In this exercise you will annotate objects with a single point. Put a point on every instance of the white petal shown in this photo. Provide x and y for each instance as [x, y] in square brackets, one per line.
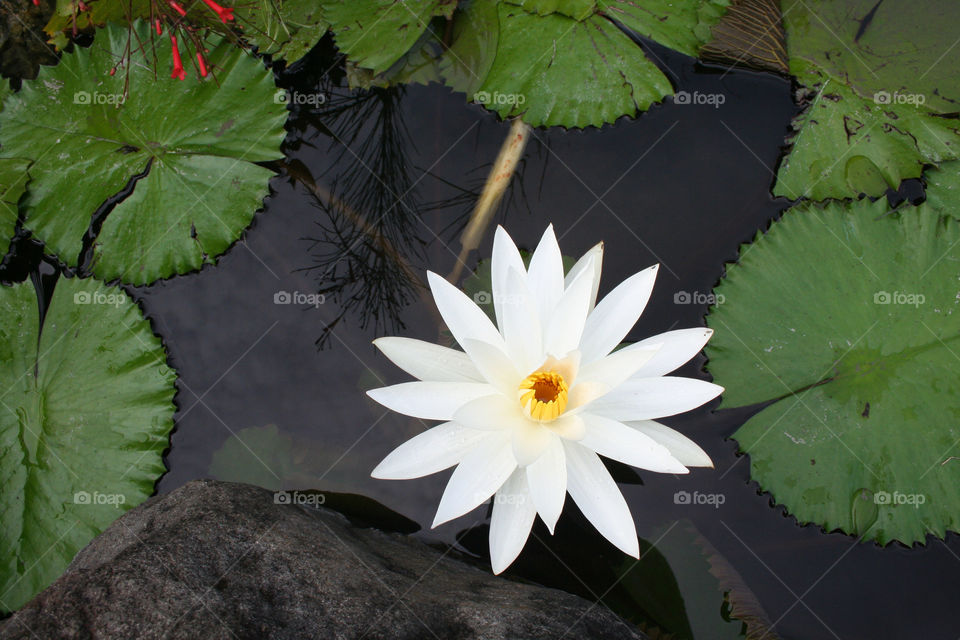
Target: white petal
[433, 450]
[616, 314]
[595, 254]
[568, 367]
[565, 324]
[429, 400]
[530, 440]
[464, 319]
[547, 478]
[681, 447]
[676, 348]
[512, 519]
[505, 256]
[599, 498]
[616, 440]
[545, 275]
[568, 426]
[613, 370]
[491, 413]
[648, 398]
[584, 393]
[480, 473]
[427, 361]
[494, 365]
[521, 324]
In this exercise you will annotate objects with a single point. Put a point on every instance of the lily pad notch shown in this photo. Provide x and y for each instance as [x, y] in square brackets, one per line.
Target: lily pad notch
[169, 168]
[83, 424]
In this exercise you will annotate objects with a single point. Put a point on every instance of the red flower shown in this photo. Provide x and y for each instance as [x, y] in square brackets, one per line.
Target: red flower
[177, 8]
[202, 63]
[225, 13]
[178, 71]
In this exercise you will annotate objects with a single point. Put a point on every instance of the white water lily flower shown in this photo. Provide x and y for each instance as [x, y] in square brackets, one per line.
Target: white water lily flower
[530, 402]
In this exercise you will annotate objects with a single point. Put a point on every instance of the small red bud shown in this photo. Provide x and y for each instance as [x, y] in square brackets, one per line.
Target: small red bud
[225, 13]
[178, 71]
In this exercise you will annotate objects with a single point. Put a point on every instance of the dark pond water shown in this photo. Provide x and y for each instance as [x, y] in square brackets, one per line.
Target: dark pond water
[683, 186]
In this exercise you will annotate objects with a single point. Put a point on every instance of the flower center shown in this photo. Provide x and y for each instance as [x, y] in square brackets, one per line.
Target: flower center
[545, 392]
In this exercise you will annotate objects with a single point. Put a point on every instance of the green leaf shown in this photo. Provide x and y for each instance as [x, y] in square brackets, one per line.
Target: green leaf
[943, 188]
[717, 600]
[256, 455]
[376, 33]
[13, 182]
[475, 35]
[846, 145]
[196, 140]
[576, 9]
[419, 65]
[84, 420]
[274, 459]
[884, 95]
[684, 25]
[285, 29]
[892, 46]
[846, 319]
[554, 70]
[551, 62]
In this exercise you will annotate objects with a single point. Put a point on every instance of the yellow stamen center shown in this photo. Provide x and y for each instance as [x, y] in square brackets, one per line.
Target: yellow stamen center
[546, 394]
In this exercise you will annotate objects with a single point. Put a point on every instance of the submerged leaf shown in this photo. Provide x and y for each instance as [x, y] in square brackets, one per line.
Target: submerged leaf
[750, 35]
[847, 318]
[85, 418]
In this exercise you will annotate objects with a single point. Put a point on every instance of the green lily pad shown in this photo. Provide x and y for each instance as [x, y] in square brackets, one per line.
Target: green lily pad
[85, 416]
[285, 29]
[883, 95]
[376, 33]
[846, 319]
[892, 46]
[187, 147]
[13, 182]
[556, 70]
[67, 16]
[473, 45]
[684, 25]
[576, 9]
[416, 66]
[550, 62]
[846, 145]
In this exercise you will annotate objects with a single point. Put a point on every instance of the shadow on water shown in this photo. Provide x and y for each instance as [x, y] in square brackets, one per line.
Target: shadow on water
[273, 346]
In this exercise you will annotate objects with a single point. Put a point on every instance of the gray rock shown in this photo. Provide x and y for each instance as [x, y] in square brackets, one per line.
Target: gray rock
[221, 560]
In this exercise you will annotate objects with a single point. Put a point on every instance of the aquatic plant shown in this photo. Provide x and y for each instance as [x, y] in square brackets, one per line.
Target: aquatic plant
[530, 402]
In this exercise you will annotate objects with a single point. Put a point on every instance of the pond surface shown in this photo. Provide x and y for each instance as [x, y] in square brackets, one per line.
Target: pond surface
[683, 186]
